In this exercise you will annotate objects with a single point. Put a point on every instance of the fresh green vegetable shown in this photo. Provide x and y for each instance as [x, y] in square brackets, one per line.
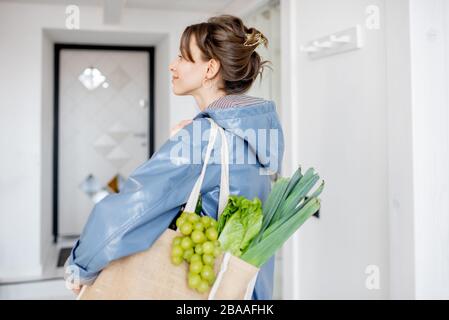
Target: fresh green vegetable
[232, 234]
[305, 200]
[243, 230]
[231, 207]
[284, 197]
[273, 201]
[199, 205]
[246, 233]
[265, 249]
[242, 220]
[287, 207]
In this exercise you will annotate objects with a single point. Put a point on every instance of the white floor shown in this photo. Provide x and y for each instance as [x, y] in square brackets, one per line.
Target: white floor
[40, 290]
[50, 286]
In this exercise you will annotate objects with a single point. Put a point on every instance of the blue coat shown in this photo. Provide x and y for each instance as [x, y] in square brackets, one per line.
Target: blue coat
[131, 220]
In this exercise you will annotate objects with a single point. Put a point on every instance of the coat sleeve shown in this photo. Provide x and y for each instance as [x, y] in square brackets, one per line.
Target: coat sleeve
[130, 221]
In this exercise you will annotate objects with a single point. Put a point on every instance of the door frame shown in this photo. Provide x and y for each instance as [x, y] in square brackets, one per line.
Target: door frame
[151, 100]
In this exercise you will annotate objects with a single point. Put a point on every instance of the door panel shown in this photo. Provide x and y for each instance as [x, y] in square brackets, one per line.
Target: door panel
[103, 128]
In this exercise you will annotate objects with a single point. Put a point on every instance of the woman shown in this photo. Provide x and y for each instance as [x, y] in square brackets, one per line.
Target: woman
[217, 65]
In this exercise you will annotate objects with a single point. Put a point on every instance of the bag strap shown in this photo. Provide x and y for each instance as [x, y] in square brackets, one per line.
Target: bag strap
[224, 177]
[223, 268]
[217, 282]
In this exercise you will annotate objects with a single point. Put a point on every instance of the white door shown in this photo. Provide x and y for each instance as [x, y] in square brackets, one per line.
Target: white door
[103, 128]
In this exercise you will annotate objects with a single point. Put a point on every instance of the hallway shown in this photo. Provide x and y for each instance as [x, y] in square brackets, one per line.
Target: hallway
[360, 87]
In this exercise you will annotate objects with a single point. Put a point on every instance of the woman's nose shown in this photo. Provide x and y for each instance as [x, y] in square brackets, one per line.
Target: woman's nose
[171, 66]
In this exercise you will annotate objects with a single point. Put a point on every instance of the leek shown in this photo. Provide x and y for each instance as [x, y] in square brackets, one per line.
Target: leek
[286, 209]
[265, 249]
[253, 233]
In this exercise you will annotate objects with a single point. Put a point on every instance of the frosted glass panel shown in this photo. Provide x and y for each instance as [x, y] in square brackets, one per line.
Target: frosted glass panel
[103, 128]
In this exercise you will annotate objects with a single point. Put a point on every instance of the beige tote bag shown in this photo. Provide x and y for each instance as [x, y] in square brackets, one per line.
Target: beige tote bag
[150, 274]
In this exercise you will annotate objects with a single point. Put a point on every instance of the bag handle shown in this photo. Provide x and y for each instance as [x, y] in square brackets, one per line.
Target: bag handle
[224, 177]
[223, 268]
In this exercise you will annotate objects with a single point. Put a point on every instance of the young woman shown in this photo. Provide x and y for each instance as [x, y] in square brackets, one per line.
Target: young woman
[216, 65]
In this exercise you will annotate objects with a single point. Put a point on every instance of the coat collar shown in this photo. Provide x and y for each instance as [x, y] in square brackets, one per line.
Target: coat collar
[233, 101]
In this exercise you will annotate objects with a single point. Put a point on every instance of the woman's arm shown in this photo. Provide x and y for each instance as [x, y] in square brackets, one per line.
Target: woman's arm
[131, 220]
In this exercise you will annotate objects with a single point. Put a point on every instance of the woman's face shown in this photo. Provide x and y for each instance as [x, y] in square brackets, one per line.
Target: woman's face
[188, 76]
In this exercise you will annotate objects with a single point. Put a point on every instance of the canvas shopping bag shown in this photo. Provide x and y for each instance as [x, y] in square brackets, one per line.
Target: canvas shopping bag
[150, 274]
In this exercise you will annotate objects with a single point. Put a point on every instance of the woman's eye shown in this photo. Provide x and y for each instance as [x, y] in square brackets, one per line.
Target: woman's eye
[179, 56]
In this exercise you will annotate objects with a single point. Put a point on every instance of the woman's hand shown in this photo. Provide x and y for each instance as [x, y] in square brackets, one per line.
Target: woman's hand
[77, 290]
[179, 126]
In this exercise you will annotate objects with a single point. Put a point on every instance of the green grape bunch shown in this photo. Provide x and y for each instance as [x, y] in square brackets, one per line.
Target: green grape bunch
[199, 247]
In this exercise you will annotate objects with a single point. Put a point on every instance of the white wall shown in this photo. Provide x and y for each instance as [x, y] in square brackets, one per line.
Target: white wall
[26, 117]
[288, 51]
[418, 79]
[375, 124]
[400, 154]
[20, 96]
[338, 125]
[429, 30]
[46, 142]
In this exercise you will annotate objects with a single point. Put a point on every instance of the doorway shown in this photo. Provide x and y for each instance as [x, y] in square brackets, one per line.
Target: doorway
[104, 126]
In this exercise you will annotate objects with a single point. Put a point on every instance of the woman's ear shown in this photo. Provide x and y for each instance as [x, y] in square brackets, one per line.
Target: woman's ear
[212, 68]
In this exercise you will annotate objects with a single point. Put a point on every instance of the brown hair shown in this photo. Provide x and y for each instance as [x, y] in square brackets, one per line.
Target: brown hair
[223, 38]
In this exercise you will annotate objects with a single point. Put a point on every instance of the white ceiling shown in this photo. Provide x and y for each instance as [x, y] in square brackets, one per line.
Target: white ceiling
[179, 5]
[192, 5]
[113, 9]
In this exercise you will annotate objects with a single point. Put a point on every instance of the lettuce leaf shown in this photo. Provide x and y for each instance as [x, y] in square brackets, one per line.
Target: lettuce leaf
[232, 235]
[239, 223]
[252, 222]
[231, 208]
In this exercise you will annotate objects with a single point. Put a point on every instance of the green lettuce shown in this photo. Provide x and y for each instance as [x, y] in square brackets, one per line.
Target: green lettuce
[239, 223]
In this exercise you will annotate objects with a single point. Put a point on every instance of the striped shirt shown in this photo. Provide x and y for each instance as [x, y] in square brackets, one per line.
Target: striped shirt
[234, 100]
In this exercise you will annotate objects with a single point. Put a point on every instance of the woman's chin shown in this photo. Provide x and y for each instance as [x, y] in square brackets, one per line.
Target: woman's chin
[178, 92]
